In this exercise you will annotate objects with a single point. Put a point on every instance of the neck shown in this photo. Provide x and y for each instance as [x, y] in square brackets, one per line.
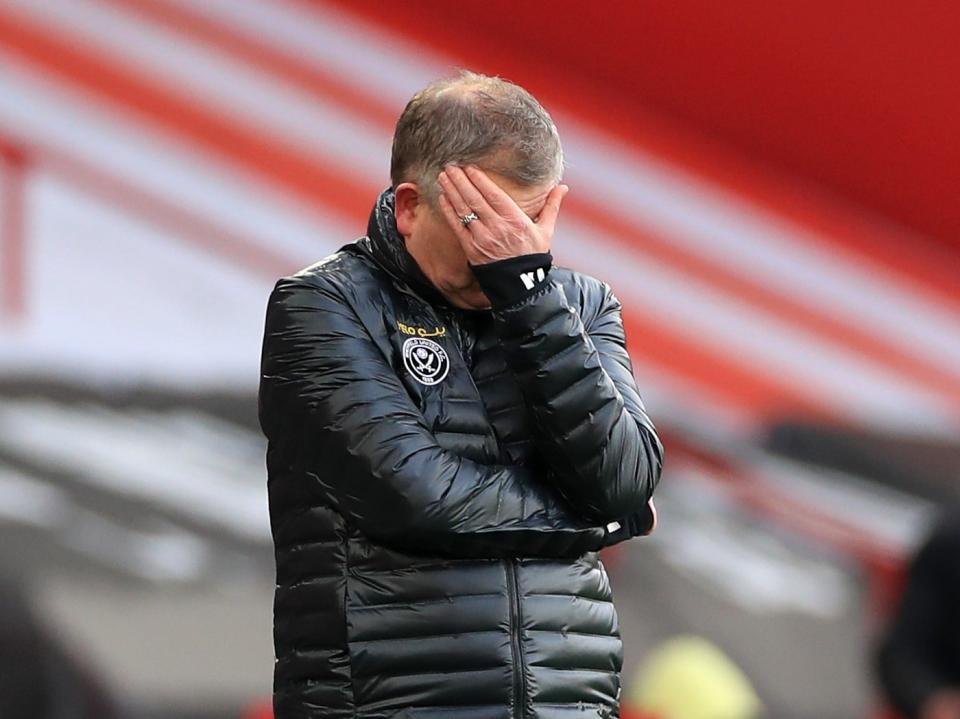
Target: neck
[450, 275]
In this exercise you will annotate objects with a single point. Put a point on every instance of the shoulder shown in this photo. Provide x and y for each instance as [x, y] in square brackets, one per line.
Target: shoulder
[340, 274]
[589, 295]
[331, 298]
[334, 293]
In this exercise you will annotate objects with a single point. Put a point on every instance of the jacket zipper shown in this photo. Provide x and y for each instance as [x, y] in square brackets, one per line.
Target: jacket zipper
[519, 680]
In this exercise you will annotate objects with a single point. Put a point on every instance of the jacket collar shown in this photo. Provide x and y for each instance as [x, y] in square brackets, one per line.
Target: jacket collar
[388, 249]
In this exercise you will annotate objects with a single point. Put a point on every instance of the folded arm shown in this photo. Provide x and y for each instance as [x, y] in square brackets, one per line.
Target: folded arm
[578, 382]
[324, 381]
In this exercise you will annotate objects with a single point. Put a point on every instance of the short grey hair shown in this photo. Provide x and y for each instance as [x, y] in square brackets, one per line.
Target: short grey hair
[475, 119]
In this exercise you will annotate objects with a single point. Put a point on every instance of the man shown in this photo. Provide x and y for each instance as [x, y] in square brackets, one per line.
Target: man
[918, 659]
[454, 430]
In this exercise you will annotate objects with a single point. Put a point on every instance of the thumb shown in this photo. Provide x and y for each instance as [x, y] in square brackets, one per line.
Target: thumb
[547, 219]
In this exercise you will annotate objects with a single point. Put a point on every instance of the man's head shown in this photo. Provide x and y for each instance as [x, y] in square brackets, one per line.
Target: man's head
[480, 120]
[470, 119]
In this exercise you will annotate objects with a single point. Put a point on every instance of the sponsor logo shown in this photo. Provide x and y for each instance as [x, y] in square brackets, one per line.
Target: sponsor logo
[426, 360]
[421, 331]
[531, 279]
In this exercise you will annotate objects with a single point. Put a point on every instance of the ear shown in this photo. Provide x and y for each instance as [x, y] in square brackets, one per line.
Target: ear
[409, 202]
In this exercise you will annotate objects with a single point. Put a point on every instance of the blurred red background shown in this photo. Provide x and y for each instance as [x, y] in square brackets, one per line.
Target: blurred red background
[860, 96]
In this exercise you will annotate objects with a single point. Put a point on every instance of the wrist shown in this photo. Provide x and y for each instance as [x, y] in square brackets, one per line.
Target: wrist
[507, 282]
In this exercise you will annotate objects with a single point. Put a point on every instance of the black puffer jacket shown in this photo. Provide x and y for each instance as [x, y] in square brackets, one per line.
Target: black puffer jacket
[439, 483]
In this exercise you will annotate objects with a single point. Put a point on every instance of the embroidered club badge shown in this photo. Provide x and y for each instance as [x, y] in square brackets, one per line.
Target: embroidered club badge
[426, 360]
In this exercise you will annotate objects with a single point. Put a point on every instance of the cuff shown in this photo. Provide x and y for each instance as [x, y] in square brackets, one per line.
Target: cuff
[507, 282]
[641, 524]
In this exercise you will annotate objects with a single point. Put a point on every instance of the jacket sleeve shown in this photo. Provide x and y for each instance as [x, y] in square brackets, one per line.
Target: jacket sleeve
[325, 384]
[578, 383]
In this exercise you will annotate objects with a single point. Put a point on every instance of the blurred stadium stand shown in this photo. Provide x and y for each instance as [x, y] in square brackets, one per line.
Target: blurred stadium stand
[162, 162]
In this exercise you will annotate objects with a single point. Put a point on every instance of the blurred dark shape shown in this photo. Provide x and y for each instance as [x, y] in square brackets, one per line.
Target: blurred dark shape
[918, 659]
[39, 678]
[927, 467]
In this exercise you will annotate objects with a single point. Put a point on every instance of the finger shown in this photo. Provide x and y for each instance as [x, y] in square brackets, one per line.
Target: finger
[453, 195]
[452, 217]
[499, 201]
[547, 219]
[470, 194]
[473, 238]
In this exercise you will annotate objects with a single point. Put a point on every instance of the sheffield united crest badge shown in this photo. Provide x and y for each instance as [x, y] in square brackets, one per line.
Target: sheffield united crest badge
[426, 360]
